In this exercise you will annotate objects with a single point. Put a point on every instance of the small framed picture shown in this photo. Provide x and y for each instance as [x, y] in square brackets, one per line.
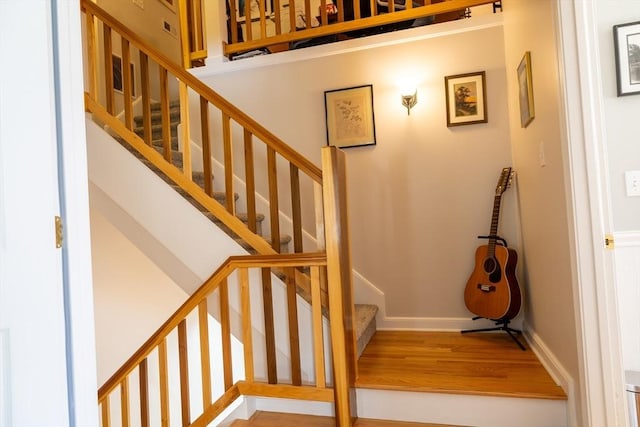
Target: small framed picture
[525, 90]
[350, 120]
[466, 99]
[170, 4]
[626, 39]
[118, 78]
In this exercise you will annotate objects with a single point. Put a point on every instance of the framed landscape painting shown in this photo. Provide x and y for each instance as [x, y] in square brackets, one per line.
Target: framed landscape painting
[466, 99]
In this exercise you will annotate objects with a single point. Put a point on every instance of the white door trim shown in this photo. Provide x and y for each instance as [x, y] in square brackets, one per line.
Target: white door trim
[590, 215]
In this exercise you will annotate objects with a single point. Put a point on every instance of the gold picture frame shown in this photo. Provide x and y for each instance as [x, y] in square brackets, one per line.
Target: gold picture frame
[525, 90]
[350, 118]
[170, 4]
[466, 99]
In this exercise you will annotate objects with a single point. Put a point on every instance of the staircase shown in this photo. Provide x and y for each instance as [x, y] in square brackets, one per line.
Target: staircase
[365, 314]
[325, 382]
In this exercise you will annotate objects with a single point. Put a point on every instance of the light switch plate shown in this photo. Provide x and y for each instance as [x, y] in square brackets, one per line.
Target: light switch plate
[632, 179]
[139, 3]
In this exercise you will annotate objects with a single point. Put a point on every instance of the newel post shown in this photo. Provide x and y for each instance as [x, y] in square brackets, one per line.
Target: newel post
[340, 289]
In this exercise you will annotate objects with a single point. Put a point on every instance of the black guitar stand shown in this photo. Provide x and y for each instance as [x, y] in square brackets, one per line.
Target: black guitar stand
[502, 325]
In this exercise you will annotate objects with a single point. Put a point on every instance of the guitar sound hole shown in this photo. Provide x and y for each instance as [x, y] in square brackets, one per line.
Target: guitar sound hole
[491, 268]
[490, 265]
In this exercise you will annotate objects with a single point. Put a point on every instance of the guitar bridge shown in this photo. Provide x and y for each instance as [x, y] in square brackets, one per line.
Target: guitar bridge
[486, 288]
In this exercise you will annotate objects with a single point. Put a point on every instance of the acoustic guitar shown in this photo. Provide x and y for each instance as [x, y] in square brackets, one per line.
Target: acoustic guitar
[492, 291]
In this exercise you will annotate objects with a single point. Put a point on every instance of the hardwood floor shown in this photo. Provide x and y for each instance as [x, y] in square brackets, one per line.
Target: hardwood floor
[275, 419]
[489, 364]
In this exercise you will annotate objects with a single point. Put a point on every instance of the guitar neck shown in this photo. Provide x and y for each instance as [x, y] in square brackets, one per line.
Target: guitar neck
[494, 225]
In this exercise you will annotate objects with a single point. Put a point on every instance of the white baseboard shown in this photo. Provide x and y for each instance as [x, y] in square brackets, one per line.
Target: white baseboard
[463, 410]
[558, 373]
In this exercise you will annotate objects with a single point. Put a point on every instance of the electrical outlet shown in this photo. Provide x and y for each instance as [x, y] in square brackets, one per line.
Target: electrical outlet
[542, 159]
[139, 3]
[167, 27]
[632, 179]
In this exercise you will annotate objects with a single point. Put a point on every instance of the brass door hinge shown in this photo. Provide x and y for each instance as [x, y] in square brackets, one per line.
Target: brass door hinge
[58, 232]
[609, 243]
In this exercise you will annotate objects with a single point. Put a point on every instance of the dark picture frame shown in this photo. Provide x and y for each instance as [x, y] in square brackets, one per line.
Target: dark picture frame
[626, 40]
[525, 90]
[466, 99]
[349, 116]
[118, 77]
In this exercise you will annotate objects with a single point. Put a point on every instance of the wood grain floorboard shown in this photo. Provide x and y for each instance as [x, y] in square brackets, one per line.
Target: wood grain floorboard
[488, 364]
[275, 419]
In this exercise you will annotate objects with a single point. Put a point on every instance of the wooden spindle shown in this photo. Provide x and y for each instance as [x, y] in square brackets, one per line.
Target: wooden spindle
[318, 335]
[307, 13]
[274, 210]
[92, 52]
[269, 329]
[340, 6]
[296, 208]
[228, 163]
[292, 16]
[164, 383]
[250, 181]
[183, 361]
[247, 338]
[145, 90]
[277, 17]
[143, 375]
[324, 19]
[166, 117]
[185, 129]
[127, 83]
[294, 334]
[106, 412]
[356, 8]
[108, 68]
[225, 327]
[263, 18]
[124, 402]
[206, 146]
[205, 359]
[248, 26]
[233, 21]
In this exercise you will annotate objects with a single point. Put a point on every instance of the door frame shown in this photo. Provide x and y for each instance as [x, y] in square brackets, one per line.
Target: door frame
[589, 208]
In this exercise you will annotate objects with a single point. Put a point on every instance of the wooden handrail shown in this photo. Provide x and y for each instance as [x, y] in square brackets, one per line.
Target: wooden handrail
[209, 286]
[206, 92]
[339, 27]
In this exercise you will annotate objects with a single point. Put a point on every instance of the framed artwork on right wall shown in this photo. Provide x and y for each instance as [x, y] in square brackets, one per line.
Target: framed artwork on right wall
[525, 90]
[626, 39]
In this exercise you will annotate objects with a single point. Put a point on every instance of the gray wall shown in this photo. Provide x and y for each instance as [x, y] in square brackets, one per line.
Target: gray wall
[621, 114]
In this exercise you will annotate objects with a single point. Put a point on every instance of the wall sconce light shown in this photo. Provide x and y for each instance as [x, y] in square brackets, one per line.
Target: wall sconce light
[409, 99]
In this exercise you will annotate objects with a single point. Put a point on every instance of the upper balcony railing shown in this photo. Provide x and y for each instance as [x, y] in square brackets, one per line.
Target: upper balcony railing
[282, 24]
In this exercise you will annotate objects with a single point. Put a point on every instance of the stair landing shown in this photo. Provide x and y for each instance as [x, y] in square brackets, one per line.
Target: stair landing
[488, 364]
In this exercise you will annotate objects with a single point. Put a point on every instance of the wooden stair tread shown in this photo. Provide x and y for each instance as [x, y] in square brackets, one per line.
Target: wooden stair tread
[278, 419]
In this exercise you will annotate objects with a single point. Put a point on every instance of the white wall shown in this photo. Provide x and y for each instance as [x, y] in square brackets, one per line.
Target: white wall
[621, 114]
[131, 295]
[538, 156]
[147, 22]
[418, 198]
[623, 154]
